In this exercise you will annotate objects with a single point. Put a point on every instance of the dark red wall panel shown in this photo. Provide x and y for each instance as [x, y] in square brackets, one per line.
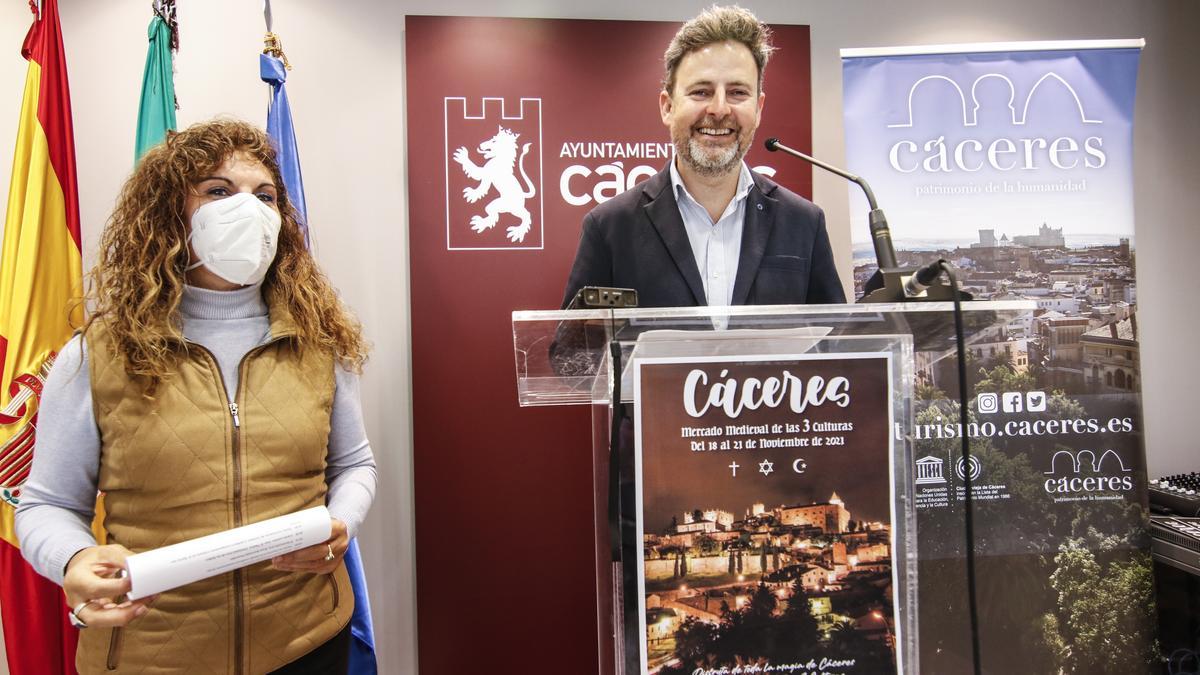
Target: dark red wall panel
[505, 569]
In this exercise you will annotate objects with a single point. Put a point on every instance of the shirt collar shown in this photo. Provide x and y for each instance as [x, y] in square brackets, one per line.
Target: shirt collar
[745, 182]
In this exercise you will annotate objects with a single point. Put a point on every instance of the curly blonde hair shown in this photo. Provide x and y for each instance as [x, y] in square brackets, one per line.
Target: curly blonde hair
[137, 285]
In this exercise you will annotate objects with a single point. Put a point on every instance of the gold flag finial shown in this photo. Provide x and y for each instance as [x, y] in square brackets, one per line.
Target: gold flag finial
[274, 46]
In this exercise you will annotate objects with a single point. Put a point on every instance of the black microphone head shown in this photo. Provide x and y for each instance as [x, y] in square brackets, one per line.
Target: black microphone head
[772, 144]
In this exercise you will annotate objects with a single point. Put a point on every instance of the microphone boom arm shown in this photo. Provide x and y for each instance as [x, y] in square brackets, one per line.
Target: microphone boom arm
[881, 236]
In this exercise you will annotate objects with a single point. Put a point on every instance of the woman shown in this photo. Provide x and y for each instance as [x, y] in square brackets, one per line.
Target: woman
[213, 385]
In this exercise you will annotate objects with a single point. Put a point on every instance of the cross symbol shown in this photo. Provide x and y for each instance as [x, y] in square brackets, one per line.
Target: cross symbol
[734, 466]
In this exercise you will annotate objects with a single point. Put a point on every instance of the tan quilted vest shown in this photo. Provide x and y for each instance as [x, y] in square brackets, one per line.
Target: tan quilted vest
[175, 467]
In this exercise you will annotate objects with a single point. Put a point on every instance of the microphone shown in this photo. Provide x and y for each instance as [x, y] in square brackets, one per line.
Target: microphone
[923, 279]
[881, 236]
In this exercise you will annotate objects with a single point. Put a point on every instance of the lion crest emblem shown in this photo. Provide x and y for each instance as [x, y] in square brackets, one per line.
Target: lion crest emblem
[499, 172]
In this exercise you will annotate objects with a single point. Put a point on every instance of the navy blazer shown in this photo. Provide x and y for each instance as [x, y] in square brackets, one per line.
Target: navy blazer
[637, 240]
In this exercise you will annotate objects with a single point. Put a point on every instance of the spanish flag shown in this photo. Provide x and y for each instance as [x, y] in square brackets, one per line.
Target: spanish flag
[40, 273]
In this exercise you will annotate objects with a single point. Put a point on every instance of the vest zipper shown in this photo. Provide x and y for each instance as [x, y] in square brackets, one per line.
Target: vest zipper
[239, 609]
[239, 582]
[238, 575]
[114, 649]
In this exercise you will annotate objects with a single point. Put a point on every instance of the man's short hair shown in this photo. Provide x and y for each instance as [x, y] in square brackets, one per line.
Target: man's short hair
[718, 24]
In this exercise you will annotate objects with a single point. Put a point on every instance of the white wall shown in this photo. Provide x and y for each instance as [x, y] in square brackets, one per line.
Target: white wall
[347, 91]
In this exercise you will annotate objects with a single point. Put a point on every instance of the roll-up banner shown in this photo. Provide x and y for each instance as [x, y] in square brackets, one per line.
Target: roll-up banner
[1007, 157]
[1014, 161]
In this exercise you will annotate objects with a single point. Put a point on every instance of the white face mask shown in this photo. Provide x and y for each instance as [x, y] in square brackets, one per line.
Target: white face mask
[235, 238]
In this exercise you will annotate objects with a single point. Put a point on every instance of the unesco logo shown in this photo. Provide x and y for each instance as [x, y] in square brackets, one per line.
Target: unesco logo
[1010, 402]
[961, 468]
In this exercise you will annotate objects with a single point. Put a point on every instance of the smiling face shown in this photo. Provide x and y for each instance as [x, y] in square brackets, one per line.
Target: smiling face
[238, 173]
[714, 109]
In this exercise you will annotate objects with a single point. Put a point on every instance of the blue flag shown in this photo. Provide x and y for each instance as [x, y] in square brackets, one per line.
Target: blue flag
[279, 128]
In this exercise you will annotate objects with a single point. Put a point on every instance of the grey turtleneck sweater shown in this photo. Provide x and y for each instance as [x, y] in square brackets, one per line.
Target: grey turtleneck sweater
[54, 518]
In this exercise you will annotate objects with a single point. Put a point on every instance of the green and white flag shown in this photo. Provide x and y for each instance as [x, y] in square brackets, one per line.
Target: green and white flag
[156, 113]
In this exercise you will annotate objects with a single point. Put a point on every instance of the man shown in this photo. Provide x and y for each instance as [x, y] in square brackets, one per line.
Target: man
[706, 230]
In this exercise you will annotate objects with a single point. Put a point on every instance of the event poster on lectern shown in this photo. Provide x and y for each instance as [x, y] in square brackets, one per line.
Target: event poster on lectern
[765, 506]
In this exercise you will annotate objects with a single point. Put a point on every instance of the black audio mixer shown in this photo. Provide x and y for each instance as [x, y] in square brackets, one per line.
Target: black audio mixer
[1176, 495]
[1175, 545]
[1176, 541]
[1175, 520]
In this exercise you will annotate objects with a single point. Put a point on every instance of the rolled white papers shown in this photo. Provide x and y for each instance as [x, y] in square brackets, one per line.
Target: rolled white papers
[180, 564]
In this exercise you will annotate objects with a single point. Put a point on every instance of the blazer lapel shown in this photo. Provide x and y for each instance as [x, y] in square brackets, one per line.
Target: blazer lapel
[756, 230]
[663, 212]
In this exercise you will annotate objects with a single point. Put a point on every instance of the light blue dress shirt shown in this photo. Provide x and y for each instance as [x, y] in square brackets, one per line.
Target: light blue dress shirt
[715, 245]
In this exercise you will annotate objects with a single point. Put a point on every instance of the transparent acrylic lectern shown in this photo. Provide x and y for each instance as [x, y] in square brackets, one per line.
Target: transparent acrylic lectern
[871, 587]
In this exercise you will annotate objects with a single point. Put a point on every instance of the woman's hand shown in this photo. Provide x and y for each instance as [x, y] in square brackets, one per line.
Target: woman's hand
[319, 559]
[94, 576]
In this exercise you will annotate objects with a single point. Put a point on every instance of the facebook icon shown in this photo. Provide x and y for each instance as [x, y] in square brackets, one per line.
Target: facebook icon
[1012, 401]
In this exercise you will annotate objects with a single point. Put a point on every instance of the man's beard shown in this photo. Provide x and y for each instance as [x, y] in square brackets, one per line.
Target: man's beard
[709, 162]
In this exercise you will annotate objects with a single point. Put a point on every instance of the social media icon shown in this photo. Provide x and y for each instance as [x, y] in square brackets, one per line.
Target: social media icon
[987, 402]
[1035, 401]
[1012, 401]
